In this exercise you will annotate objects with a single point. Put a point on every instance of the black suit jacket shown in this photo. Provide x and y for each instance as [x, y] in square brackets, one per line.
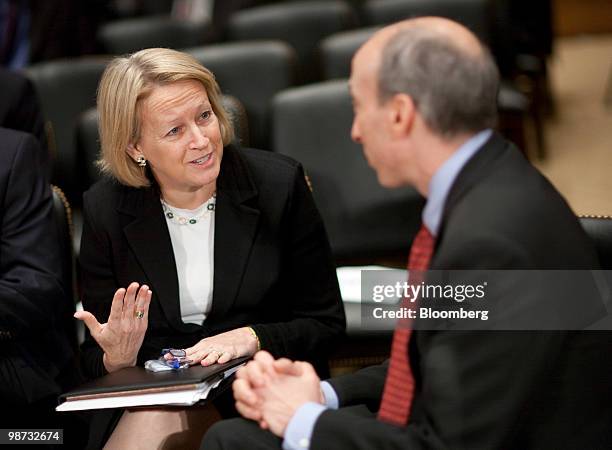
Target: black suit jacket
[33, 304]
[273, 268]
[493, 389]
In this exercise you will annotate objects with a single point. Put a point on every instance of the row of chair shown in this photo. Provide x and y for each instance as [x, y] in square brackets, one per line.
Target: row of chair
[304, 23]
[519, 36]
[67, 89]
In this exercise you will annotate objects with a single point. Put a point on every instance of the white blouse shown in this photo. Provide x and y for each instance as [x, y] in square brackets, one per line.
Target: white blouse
[192, 232]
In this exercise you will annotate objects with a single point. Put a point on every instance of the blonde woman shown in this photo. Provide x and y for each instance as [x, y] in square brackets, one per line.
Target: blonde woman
[193, 243]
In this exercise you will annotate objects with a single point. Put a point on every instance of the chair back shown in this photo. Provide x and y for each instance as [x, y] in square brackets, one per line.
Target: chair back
[337, 51]
[66, 89]
[301, 24]
[474, 14]
[364, 221]
[599, 229]
[130, 35]
[252, 72]
[88, 143]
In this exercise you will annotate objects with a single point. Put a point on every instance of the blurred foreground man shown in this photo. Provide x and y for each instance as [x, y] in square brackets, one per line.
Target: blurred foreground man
[37, 360]
[424, 94]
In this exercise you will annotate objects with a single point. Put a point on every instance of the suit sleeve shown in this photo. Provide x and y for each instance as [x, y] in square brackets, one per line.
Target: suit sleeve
[31, 294]
[465, 398]
[362, 387]
[309, 281]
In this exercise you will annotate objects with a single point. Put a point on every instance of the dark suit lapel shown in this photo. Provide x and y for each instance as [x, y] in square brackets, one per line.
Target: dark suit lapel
[149, 239]
[236, 219]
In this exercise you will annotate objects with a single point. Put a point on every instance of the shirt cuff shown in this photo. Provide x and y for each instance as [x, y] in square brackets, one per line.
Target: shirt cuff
[331, 398]
[299, 430]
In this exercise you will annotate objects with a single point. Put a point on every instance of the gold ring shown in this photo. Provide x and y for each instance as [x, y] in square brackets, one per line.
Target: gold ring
[139, 314]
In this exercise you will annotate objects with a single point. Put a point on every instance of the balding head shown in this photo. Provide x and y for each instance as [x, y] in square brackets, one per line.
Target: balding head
[442, 66]
[445, 29]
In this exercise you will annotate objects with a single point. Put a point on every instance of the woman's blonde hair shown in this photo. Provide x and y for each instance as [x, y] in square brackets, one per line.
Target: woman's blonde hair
[125, 83]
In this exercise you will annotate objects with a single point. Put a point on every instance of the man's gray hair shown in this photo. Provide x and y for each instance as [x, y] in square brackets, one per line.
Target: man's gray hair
[454, 91]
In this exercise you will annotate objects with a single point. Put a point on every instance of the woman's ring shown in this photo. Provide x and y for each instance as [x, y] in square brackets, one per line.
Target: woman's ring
[139, 314]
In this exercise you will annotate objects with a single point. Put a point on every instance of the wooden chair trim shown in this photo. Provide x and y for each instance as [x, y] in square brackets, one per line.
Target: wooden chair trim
[67, 208]
[594, 216]
[308, 182]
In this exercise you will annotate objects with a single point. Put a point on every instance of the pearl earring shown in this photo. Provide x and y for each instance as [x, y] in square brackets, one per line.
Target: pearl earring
[141, 160]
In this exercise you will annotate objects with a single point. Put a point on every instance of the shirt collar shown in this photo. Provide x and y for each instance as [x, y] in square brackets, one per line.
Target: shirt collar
[443, 179]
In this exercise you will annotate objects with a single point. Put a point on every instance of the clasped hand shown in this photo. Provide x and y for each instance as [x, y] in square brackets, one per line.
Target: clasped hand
[270, 391]
[121, 336]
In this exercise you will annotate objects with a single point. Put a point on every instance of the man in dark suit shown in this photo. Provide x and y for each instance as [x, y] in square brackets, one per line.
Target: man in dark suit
[37, 361]
[424, 95]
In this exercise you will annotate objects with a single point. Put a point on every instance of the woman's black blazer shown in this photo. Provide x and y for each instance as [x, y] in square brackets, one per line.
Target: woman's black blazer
[273, 268]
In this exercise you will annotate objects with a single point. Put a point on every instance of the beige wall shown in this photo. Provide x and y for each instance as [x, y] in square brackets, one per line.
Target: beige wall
[582, 16]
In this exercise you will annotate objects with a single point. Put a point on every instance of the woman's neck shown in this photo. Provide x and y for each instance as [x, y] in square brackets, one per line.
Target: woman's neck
[188, 199]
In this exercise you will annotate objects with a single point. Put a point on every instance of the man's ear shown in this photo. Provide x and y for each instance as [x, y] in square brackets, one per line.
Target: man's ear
[401, 113]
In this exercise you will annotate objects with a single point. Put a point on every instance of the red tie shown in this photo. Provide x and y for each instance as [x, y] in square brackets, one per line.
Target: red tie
[399, 385]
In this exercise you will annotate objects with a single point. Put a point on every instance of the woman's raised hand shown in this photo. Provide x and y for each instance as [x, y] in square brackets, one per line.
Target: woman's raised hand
[121, 336]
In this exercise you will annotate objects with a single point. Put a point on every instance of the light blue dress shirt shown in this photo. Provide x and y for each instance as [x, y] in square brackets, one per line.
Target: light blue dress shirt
[299, 429]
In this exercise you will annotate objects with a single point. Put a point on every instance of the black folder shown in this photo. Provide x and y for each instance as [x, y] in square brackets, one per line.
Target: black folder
[127, 383]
